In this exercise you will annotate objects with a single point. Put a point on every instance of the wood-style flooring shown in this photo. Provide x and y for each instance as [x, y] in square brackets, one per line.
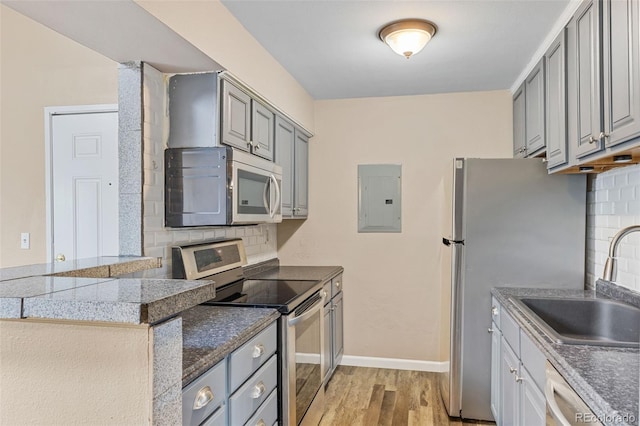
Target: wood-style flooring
[358, 396]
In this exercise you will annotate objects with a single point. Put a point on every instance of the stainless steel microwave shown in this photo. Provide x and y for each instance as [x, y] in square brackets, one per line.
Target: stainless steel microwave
[220, 186]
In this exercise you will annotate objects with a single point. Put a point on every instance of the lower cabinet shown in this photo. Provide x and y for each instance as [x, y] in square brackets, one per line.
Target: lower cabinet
[240, 389]
[333, 326]
[517, 375]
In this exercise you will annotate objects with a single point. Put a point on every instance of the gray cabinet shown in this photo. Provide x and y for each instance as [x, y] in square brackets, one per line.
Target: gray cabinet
[245, 122]
[621, 69]
[235, 116]
[534, 110]
[519, 120]
[517, 373]
[262, 130]
[587, 27]
[555, 102]
[292, 153]
[301, 175]
[334, 326]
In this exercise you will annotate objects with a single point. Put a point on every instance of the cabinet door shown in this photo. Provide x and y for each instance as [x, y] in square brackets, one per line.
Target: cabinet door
[509, 397]
[262, 130]
[587, 51]
[337, 346]
[621, 59]
[555, 101]
[235, 116]
[534, 109]
[495, 372]
[328, 337]
[519, 120]
[284, 157]
[301, 175]
[533, 407]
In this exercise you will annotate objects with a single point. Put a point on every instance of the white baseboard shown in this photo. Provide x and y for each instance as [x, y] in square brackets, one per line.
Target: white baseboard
[395, 363]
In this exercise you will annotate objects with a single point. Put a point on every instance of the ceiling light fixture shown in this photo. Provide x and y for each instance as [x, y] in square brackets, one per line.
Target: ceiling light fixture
[407, 36]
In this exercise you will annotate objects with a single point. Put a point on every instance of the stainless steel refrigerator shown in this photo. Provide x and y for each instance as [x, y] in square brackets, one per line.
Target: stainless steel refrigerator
[513, 225]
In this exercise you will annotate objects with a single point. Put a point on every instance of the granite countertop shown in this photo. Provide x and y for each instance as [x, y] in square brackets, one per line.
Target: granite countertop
[133, 301]
[606, 378]
[105, 266]
[297, 273]
[209, 333]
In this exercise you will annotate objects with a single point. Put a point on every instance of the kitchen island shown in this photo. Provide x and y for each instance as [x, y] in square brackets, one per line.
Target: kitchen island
[78, 350]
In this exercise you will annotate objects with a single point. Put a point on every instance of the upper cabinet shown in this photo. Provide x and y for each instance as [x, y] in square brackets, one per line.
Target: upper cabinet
[592, 90]
[292, 153]
[621, 69]
[586, 49]
[519, 119]
[529, 115]
[534, 110]
[246, 123]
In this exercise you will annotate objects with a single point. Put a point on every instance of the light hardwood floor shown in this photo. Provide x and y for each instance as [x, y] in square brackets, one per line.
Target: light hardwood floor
[358, 396]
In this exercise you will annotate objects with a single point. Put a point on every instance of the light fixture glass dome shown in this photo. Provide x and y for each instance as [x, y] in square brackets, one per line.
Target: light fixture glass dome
[407, 37]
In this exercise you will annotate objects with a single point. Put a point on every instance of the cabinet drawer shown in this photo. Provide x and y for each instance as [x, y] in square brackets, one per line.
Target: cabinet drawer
[248, 398]
[250, 356]
[336, 285]
[495, 311]
[533, 359]
[217, 419]
[510, 331]
[326, 288]
[211, 385]
[267, 413]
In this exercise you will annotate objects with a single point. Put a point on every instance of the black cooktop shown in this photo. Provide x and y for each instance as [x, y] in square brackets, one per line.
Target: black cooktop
[284, 295]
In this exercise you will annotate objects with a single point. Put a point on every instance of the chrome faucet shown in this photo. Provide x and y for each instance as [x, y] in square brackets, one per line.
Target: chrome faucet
[609, 273]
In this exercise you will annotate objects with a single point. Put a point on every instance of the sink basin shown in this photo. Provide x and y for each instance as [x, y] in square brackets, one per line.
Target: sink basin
[584, 321]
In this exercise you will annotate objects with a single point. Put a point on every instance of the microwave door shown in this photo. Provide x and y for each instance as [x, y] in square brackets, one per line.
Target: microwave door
[251, 196]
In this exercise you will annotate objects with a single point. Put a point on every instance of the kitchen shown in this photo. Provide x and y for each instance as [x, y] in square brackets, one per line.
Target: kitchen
[329, 235]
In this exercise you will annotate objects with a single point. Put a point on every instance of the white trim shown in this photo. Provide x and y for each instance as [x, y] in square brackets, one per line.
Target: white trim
[395, 363]
[562, 21]
[49, 112]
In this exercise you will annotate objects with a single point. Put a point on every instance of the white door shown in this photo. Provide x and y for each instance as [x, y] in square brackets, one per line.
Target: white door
[84, 162]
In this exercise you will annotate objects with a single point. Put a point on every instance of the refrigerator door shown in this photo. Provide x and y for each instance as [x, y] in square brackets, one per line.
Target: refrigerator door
[521, 228]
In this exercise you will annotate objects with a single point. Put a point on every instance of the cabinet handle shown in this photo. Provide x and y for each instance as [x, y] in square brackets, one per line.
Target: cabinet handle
[60, 258]
[592, 139]
[519, 379]
[603, 135]
[494, 311]
[512, 370]
[258, 390]
[338, 284]
[489, 330]
[256, 147]
[203, 397]
[261, 423]
[258, 351]
[325, 293]
[249, 144]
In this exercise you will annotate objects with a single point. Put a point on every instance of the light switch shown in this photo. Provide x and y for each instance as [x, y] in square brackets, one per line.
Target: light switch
[25, 240]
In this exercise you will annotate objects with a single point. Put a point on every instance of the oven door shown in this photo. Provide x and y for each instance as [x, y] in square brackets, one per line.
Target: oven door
[256, 196]
[303, 393]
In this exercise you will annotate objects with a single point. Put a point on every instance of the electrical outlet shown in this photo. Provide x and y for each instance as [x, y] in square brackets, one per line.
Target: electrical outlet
[25, 240]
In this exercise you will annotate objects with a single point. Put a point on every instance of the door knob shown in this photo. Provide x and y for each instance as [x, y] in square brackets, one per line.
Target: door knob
[60, 258]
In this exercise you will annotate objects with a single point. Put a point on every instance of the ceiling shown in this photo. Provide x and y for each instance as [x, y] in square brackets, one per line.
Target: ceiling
[331, 46]
[119, 30]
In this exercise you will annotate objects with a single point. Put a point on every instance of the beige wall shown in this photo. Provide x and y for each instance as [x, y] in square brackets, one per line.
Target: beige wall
[210, 27]
[66, 373]
[39, 68]
[395, 306]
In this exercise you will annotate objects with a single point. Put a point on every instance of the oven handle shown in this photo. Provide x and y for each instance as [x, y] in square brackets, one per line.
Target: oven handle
[308, 313]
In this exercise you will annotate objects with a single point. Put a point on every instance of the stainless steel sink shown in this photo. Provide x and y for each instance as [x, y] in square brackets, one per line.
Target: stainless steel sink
[584, 321]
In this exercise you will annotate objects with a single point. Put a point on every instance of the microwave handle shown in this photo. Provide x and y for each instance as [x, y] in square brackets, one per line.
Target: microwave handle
[267, 203]
[277, 201]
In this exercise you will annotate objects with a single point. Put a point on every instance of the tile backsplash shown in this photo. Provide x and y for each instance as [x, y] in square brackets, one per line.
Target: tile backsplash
[259, 240]
[613, 202]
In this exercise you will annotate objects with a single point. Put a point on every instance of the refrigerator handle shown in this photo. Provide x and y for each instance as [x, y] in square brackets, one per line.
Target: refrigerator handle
[447, 242]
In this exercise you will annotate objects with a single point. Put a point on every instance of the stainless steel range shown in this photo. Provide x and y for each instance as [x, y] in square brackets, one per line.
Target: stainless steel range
[300, 329]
